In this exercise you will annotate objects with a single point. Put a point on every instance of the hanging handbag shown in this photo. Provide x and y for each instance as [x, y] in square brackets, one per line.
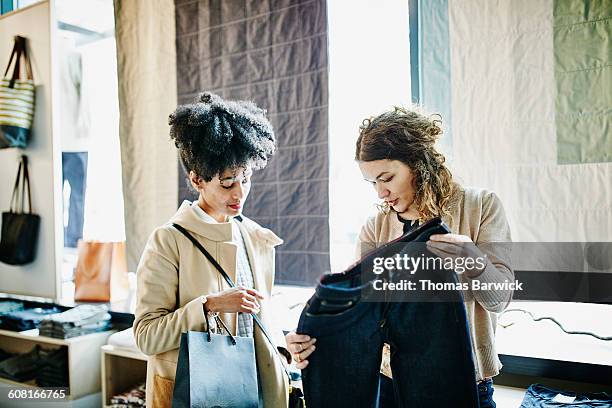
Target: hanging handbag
[19, 229]
[186, 390]
[101, 272]
[16, 99]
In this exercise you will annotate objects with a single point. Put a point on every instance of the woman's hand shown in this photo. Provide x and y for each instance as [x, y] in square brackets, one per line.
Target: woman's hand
[459, 246]
[300, 346]
[234, 300]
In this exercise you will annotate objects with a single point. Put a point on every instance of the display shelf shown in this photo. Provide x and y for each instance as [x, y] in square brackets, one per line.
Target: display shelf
[83, 365]
[33, 334]
[28, 384]
[121, 369]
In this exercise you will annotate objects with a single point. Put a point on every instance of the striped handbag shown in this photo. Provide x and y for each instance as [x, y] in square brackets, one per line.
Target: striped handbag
[16, 99]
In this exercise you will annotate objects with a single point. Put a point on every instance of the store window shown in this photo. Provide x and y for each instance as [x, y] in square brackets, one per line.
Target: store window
[506, 81]
[369, 73]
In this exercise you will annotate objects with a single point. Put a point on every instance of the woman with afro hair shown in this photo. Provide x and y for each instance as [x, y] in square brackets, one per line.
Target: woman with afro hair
[220, 143]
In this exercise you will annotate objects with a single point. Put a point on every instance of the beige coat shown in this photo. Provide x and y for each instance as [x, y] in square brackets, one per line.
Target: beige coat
[478, 214]
[172, 278]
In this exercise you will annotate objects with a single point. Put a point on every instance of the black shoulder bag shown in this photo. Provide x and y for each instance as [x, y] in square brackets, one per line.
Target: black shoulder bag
[19, 229]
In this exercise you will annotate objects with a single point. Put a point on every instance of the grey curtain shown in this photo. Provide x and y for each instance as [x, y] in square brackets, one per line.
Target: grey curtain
[274, 53]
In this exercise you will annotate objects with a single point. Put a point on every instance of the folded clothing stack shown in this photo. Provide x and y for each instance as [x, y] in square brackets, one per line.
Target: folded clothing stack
[132, 398]
[49, 367]
[21, 367]
[53, 370]
[8, 306]
[5, 355]
[25, 319]
[540, 396]
[77, 321]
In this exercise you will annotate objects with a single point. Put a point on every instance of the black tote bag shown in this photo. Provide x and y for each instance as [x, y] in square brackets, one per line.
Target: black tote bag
[19, 229]
[231, 381]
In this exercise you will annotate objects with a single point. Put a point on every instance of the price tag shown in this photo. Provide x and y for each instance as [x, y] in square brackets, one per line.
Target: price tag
[564, 399]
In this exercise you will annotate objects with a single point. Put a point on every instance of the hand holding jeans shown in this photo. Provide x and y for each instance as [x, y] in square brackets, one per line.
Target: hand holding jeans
[300, 346]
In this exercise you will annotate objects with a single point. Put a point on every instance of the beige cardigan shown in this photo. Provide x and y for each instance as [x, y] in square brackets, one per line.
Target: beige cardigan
[479, 214]
[172, 278]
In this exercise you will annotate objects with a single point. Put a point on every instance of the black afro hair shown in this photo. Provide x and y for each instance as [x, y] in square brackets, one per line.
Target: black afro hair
[213, 135]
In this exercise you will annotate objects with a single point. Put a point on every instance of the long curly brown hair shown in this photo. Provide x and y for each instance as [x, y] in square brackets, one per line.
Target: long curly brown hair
[409, 136]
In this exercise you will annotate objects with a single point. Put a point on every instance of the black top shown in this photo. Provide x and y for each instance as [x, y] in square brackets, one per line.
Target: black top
[409, 225]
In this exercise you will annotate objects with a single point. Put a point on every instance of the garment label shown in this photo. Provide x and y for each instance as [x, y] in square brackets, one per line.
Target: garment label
[566, 399]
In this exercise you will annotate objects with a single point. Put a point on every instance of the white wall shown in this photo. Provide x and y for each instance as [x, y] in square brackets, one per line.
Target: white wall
[39, 277]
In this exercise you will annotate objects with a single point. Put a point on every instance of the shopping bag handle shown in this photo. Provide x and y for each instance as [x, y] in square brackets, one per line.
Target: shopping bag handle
[219, 321]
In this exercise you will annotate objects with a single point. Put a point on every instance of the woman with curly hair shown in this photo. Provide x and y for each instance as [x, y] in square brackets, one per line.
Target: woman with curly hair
[396, 154]
[219, 143]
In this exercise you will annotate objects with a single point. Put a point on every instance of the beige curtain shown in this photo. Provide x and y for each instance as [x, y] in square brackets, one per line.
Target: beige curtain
[146, 59]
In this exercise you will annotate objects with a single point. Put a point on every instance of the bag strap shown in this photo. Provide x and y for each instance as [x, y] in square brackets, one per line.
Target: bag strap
[15, 51]
[19, 194]
[231, 284]
[15, 196]
[26, 59]
[26, 184]
[19, 50]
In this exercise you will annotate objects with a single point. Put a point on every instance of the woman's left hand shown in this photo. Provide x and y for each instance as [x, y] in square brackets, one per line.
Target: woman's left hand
[459, 246]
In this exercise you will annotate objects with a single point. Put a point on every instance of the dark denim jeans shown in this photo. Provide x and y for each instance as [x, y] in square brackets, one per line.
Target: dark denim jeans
[538, 396]
[431, 353]
[74, 170]
[485, 394]
[386, 397]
